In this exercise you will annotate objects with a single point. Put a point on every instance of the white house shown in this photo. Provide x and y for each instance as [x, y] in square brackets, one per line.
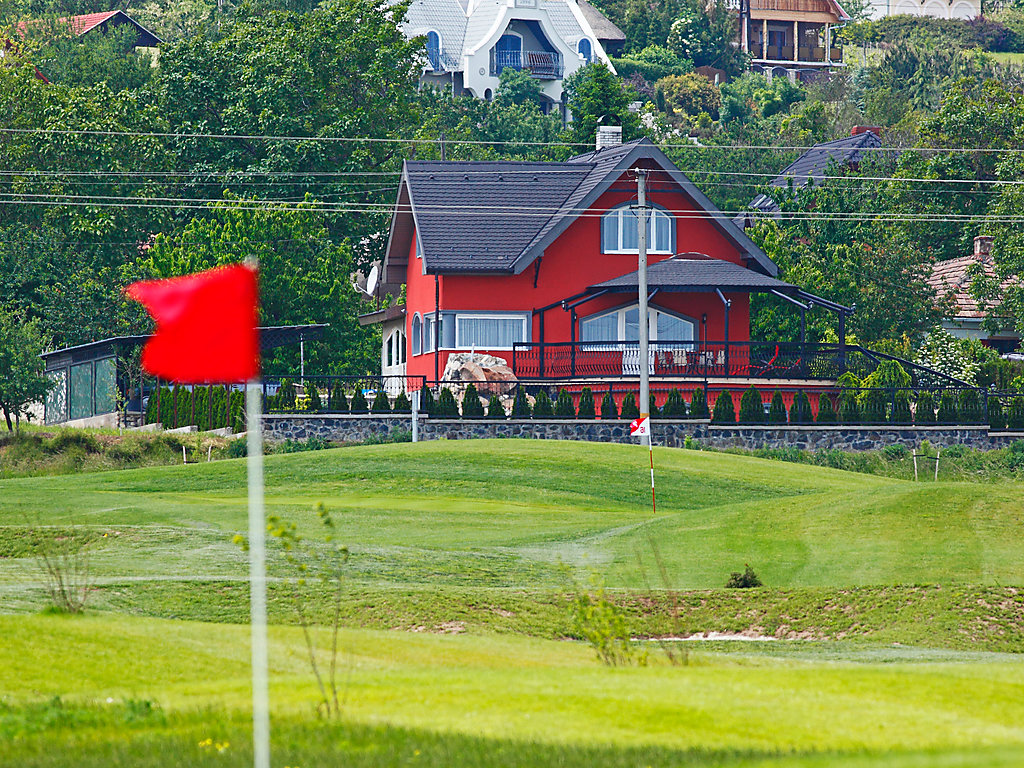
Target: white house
[939, 9]
[469, 42]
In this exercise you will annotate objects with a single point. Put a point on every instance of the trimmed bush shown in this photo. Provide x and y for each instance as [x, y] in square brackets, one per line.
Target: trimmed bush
[359, 401]
[849, 410]
[725, 411]
[699, 405]
[971, 409]
[495, 410]
[521, 405]
[800, 413]
[427, 403]
[608, 408]
[751, 407]
[446, 406]
[237, 411]
[901, 408]
[652, 405]
[947, 408]
[472, 407]
[629, 408]
[315, 403]
[586, 406]
[873, 406]
[675, 406]
[777, 412]
[202, 400]
[1015, 417]
[381, 403]
[826, 410]
[543, 408]
[925, 411]
[286, 395]
[402, 404]
[564, 408]
[996, 417]
[336, 401]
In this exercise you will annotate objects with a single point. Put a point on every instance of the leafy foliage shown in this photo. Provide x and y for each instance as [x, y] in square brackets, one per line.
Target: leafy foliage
[745, 580]
[22, 381]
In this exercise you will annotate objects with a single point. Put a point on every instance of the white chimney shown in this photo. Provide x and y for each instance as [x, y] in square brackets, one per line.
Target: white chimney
[983, 245]
[609, 136]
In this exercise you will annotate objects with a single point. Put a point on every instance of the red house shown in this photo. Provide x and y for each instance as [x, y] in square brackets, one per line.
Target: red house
[536, 263]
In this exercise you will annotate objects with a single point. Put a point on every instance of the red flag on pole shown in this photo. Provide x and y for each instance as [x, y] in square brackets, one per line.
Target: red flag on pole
[205, 326]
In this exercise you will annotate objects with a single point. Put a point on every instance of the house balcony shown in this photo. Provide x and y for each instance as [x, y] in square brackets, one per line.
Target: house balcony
[440, 62]
[805, 55]
[543, 65]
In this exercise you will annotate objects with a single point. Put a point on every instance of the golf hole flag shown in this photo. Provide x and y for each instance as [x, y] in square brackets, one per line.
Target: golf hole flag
[640, 427]
[205, 326]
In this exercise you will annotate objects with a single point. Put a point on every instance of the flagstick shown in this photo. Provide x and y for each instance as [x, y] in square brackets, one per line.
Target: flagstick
[257, 577]
[650, 443]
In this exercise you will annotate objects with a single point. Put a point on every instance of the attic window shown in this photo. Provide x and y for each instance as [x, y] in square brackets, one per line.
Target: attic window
[619, 231]
[434, 50]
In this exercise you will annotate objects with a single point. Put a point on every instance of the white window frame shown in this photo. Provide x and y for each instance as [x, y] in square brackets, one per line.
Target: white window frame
[440, 49]
[521, 317]
[416, 330]
[587, 58]
[658, 217]
[652, 323]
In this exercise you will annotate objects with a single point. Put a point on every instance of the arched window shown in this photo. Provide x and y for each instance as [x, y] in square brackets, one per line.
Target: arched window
[585, 49]
[508, 52]
[619, 231]
[417, 334]
[434, 50]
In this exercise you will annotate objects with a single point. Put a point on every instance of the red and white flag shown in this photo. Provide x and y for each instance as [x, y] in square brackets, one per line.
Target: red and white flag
[206, 326]
[640, 427]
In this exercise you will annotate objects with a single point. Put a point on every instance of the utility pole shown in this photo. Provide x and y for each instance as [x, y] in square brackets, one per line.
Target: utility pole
[644, 324]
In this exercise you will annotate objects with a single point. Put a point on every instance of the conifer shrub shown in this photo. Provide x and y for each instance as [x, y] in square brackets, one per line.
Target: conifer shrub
[924, 413]
[286, 395]
[427, 403]
[521, 405]
[495, 410]
[1015, 416]
[675, 406]
[725, 411]
[237, 412]
[358, 403]
[543, 408]
[777, 413]
[996, 416]
[971, 408]
[181, 410]
[629, 407]
[699, 405]
[873, 406]
[746, 580]
[586, 406]
[849, 409]
[901, 408]
[608, 408]
[315, 403]
[751, 407]
[381, 404]
[199, 395]
[564, 408]
[446, 407]
[402, 404]
[336, 401]
[826, 410]
[167, 396]
[801, 412]
[472, 406]
[947, 408]
[652, 406]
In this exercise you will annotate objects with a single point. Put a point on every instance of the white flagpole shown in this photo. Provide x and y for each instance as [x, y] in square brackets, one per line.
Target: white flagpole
[257, 577]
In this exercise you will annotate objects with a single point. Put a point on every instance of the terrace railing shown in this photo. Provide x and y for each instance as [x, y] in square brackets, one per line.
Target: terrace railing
[543, 65]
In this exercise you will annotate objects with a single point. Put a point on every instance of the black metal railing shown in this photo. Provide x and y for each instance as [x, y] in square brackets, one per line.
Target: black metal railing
[544, 65]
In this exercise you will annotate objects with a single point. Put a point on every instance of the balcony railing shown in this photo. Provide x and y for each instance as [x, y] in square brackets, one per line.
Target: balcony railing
[544, 65]
[441, 61]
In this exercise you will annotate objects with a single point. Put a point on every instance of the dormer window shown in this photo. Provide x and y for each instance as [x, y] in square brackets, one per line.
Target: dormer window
[434, 50]
[619, 231]
[585, 50]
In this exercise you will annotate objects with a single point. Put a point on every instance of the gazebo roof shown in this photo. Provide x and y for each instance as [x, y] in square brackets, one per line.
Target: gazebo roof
[695, 273]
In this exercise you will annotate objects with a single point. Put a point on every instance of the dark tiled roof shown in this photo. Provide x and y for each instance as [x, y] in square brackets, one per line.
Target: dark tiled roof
[696, 274]
[603, 27]
[815, 162]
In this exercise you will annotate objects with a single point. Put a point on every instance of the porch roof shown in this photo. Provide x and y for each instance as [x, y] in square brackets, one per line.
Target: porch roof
[695, 273]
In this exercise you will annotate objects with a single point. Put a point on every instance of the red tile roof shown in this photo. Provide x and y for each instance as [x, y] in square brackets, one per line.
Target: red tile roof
[82, 24]
[953, 278]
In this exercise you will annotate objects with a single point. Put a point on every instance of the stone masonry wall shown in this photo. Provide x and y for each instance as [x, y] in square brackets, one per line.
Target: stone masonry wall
[666, 432]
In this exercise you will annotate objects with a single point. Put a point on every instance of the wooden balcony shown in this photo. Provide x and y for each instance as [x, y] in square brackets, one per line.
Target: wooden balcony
[792, 6]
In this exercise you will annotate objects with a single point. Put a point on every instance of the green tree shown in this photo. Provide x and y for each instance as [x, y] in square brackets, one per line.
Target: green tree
[725, 411]
[596, 97]
[22, 381]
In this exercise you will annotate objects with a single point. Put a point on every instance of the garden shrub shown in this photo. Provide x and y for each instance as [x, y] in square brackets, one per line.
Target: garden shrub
[183, 406]
[1015, 418]
[777, 412]
[358, 404]
[725, 411]
[947, 408]
[873, 406]
[521, 405]
[586, 407]
[652, 406]
[826, 410]
[381, 403]
[446, 406]
[564, 408]
[895, 452]
[675, 406]
[849, 410]
[901, 408]
[745, 580]
[286, 395]
[800, 413]
[201, 395]
[336, 401]
[925, 411]
[971, 407]
[699, 405]
[996, 417]
[629, 407]
[238, 411]
[751, 407]
[402, 404]
[495, 410]
[315, 403]
[427, 403]
[472, 407]
[543, 408]
[608, 408]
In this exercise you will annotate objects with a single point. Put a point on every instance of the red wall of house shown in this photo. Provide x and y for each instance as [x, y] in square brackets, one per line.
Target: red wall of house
[570, 264]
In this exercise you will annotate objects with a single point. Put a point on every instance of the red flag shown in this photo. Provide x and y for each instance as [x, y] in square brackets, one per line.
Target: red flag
[205, 326]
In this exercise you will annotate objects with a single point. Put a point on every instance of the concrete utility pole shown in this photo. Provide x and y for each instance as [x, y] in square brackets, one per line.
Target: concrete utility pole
[644, 325]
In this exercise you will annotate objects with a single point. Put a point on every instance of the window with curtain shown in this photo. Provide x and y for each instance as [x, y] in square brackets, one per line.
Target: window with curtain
[619, 231]
[489, 331]
[623, 324]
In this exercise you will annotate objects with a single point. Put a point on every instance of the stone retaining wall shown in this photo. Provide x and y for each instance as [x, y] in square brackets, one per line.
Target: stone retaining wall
[666, 432]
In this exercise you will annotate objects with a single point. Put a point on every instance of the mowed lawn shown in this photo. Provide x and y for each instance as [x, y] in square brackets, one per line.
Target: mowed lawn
[507, 513]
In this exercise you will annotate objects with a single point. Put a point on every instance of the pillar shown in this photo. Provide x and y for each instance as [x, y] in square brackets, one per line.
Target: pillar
[796, 41]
